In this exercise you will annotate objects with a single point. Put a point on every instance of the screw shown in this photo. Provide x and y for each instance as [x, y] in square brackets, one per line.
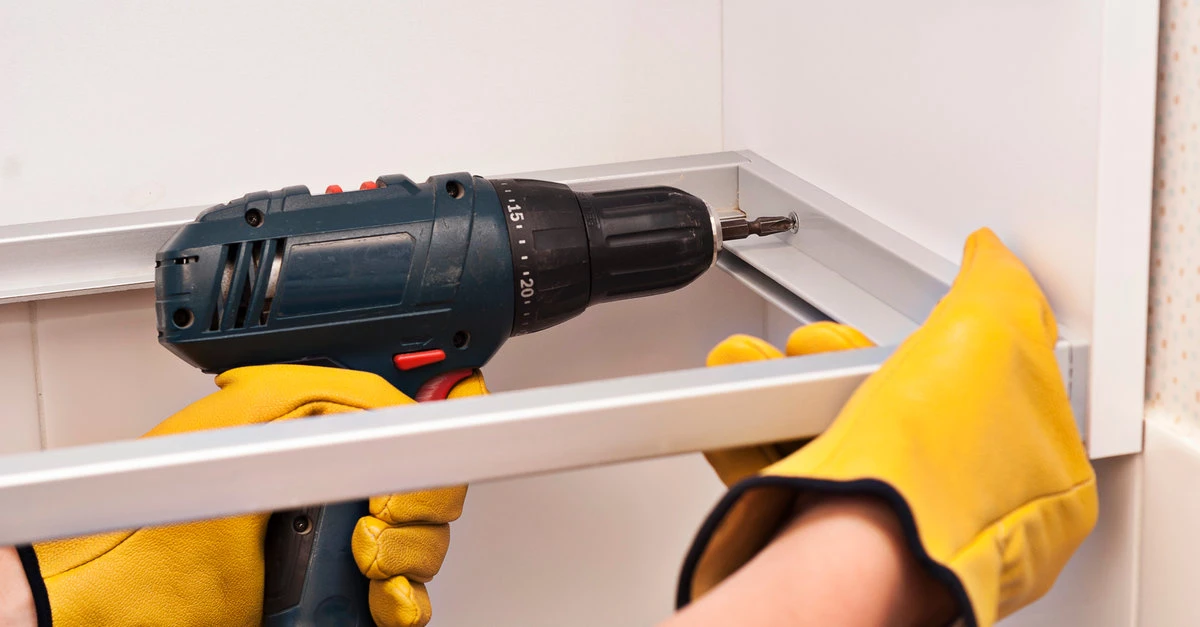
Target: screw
[301, 524]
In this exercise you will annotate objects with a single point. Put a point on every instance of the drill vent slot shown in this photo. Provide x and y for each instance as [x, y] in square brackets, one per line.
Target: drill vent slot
[248, 279]
[177, 261]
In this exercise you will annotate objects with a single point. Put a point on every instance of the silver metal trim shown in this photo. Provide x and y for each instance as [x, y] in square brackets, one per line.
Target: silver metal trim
[85, 255]
[718, 235]
[340, 457]
[770, 290]
[857, 270]
[886, 283]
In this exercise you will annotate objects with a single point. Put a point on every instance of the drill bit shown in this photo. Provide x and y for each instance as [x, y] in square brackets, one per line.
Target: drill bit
[741, 228]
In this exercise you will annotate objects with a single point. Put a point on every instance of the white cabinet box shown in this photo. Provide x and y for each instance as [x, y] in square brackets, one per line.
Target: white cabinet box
[920, 121]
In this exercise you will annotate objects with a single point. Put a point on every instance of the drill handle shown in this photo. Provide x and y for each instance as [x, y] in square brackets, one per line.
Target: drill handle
[312, 579]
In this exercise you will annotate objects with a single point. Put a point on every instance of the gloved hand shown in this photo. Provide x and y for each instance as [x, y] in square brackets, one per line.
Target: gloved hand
[211, 572]
[401, 545]
[733, 465]
[966, 432]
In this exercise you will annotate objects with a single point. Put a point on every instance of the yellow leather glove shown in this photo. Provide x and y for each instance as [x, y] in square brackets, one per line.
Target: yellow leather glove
[733, 465]
[966, 432]
[211, 572]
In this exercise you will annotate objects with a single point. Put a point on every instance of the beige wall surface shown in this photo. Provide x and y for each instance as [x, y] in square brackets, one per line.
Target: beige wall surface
[1170, 550]
[1173, 359]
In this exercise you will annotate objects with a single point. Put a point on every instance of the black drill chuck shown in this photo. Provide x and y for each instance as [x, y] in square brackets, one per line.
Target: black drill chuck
[646, 241]
[575, 249]
[571, 250]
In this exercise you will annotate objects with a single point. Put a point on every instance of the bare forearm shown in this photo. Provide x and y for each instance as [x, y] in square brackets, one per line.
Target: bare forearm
[842, 562]
[16, 601]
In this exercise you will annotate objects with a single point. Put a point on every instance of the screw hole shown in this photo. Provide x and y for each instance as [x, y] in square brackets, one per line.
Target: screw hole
[182, 318]
[461, 339]
[254, 218]
[301, 525]
[455, 189]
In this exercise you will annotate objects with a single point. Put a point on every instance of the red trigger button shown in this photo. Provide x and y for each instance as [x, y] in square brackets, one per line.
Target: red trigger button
[439, 387]
[368, 185]
[408, 361]
[333, 189]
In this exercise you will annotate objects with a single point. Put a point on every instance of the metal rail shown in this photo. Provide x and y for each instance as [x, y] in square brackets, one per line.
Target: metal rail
[348, 456]
[842, 265]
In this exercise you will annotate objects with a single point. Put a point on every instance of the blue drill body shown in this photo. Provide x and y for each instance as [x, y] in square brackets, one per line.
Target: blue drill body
[347, 280]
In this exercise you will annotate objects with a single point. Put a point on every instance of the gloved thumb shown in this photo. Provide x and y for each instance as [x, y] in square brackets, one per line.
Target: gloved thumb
[825, 337]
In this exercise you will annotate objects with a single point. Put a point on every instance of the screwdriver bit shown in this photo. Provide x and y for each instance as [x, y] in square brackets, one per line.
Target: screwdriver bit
[741, 228]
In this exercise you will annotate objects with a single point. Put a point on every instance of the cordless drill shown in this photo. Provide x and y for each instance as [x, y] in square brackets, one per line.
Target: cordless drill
[418, 283]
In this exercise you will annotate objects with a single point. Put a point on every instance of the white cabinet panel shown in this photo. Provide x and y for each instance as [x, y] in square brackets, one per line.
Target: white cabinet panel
[103, 374]
[592, 548]
[932, 118]
[937, 118]
[19, 428]
[154, 105]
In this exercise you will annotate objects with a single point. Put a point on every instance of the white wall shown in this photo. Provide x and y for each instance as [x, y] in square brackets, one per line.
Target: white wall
[121, 106]
[1170, 559]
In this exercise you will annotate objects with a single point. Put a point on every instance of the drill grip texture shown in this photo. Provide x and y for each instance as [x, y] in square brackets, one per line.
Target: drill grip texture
[311, 577]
